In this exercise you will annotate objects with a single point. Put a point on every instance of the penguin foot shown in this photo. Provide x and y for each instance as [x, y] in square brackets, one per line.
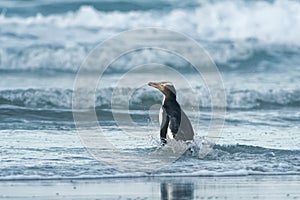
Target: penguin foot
[163, 141]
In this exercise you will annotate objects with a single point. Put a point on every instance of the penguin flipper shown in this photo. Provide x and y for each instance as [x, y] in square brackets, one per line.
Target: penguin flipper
[174, 125]
[164, 123]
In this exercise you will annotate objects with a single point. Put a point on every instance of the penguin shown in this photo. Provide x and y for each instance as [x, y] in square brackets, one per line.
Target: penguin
[174, 124]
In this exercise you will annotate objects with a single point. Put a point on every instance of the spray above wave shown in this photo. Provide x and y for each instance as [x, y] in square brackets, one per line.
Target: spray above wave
[141, 98]
[238, 34]
[226, 20]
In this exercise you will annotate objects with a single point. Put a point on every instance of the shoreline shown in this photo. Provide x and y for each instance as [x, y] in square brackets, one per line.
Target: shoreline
[112, 177]
[226, 187]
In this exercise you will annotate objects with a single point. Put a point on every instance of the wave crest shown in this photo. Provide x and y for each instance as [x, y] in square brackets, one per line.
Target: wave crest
[266, 21]
[141, 98]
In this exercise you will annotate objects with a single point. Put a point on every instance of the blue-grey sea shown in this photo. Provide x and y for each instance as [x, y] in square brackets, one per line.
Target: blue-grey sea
[255, 45]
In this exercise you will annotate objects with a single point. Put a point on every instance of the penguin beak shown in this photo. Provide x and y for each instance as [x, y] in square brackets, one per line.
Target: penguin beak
[153, 84]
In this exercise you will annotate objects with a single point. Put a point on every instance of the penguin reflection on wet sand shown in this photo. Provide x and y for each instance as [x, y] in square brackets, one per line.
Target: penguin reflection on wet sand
[173, 121]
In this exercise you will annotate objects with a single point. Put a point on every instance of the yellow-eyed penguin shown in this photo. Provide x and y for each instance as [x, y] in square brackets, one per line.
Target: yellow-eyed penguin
[173, 121]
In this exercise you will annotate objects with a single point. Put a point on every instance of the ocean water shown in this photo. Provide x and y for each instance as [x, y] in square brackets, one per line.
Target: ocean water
[255, 45]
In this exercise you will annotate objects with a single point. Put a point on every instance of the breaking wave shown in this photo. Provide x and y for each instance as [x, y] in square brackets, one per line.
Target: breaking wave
[238, 34]
[141, 98]
[264, 20]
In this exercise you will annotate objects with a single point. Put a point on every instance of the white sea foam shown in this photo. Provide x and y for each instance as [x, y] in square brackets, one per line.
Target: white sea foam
[236, 99]
[272, 22]
[235, 33]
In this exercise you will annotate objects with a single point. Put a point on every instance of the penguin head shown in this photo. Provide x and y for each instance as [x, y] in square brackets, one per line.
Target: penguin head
[166, 87]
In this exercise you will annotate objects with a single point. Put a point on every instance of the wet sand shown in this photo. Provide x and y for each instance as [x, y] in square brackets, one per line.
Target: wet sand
[239, 187]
